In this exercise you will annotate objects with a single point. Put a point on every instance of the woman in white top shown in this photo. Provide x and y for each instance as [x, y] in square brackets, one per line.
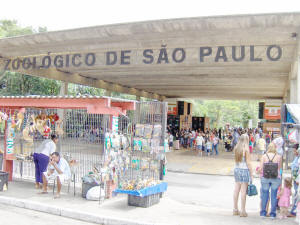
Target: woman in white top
[242, 174]
[41, 158]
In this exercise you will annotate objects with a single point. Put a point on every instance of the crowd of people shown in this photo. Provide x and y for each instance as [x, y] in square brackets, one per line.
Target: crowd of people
[206, 143]
[258, 140]
[276, 190]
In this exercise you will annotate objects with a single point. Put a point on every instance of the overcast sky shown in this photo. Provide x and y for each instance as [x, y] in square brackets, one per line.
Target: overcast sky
[65, 14]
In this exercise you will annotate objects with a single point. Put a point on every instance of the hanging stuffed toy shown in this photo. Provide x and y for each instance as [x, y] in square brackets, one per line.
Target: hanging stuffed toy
[20, 119]
[39, 124]
[47, 131]
[59, 127]
[3, 116]
[13, 121]
[26, 134]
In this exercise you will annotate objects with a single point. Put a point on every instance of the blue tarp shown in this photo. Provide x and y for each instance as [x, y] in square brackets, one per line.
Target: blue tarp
[162, 187]
[289, 118]
[293, 113]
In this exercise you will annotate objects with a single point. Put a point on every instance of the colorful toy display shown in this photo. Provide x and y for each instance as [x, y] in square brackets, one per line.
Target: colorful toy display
[138, 184]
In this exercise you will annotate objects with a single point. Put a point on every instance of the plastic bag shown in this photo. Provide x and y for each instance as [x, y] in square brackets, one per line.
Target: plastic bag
[88, 179]
[157, 131]
[94, 193]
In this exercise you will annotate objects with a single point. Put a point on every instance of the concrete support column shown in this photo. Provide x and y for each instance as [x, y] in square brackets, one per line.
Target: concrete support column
[298, 80]
[64, 88]
[288, 97]
[293, 92]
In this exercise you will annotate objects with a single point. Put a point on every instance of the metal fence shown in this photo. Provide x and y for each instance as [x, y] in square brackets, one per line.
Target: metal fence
[81, 138]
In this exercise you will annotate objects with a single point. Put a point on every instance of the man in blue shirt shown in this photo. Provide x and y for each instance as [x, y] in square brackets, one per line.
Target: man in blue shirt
[295, 172]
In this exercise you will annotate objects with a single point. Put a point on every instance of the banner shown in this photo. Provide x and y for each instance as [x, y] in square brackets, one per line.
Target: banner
[272, 112]
[10, 140]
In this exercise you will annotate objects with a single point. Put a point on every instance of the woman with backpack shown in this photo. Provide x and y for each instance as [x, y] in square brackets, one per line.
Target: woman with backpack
[242, 174]
[270, 167]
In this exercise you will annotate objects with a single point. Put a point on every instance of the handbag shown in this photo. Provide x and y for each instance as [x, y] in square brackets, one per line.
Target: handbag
[252, 190]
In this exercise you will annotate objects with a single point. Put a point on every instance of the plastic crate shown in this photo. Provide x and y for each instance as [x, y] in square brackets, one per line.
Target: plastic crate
[143, 202]
[3, 180]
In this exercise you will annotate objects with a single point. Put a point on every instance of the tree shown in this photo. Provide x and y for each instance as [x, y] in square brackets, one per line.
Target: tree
[236, 113]
[75, 89]
[21, 84]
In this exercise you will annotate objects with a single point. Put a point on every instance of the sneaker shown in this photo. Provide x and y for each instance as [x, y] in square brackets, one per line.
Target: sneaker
[292, 215]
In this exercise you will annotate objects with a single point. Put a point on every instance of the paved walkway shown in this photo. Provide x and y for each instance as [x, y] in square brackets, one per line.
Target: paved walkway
[190, 199]
[188, 161]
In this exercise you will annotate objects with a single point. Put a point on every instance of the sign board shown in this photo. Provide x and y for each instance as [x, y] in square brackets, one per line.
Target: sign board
[272, 127]
[150, 56]
[250, 124]
[172, 109]
[272, 112]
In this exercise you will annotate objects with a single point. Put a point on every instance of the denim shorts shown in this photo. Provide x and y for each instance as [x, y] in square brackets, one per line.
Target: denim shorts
[241, 175]
[199, 147]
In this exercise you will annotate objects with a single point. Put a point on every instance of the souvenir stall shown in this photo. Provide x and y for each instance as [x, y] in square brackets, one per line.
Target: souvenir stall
[80, 123]
[142, 178]
[117, 143]
[290, 129]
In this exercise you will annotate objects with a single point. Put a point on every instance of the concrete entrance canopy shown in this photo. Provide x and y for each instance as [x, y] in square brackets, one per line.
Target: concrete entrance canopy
[225, 57]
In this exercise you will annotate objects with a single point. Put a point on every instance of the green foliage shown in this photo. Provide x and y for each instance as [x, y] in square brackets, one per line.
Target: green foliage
[236, 113]
[75, 89]
[21, 84]
[10, 28]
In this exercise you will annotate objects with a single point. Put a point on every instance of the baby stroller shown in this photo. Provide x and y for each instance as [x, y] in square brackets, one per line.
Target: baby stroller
[228, 144]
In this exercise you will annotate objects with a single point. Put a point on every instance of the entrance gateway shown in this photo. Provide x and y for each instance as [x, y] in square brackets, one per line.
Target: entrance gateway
[223, 57]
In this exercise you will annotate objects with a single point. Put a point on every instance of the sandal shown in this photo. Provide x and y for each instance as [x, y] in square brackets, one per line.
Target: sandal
[243, 214]
[236, 212]
[57, 196]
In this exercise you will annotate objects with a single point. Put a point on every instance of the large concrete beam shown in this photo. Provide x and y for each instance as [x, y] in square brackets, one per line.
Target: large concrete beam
[294, 75]
[53, 73]
[293, 91]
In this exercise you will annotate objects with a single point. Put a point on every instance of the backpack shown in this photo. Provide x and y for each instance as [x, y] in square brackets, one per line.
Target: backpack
[270, 169]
